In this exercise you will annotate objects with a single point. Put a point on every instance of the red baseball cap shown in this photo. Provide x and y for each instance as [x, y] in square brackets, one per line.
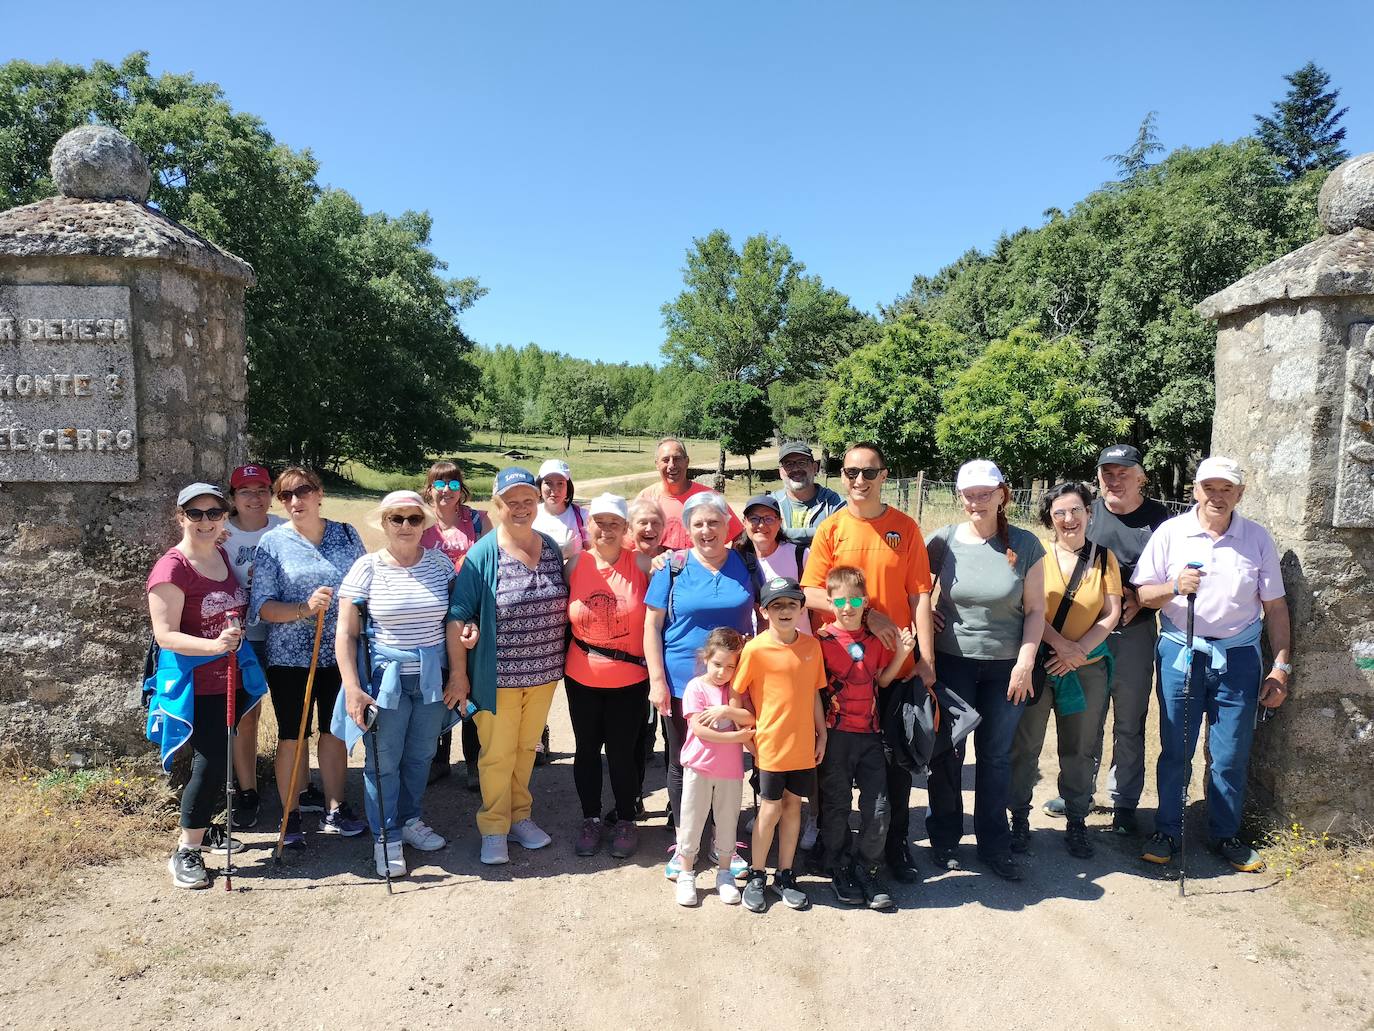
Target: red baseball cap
[249, 474]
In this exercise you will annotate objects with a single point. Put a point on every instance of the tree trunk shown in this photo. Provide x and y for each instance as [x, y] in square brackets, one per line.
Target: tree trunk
[567, 444]
[720, 471]
[749, 476]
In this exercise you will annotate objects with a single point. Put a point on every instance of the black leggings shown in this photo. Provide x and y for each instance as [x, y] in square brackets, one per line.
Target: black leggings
[209, 743]
[609, 717]
[674, 734]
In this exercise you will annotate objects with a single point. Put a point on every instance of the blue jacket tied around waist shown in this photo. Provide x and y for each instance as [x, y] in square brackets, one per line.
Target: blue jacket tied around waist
[383, 684]
[172, 700]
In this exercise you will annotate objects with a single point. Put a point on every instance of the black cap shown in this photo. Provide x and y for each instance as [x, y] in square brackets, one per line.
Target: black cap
[766, 500]
[780, 587]
[796, 447]
[1120, 454]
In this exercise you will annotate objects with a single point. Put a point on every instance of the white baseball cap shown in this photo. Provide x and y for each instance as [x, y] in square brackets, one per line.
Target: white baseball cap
[979, 473]
[1218, 468]
[609, 504]
[555, 466]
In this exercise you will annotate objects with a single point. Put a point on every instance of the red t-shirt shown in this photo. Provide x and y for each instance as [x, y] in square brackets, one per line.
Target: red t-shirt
[851, 684]
[203, 612]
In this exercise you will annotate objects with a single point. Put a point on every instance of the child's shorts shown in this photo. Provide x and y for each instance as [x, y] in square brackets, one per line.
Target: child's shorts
[799, 782]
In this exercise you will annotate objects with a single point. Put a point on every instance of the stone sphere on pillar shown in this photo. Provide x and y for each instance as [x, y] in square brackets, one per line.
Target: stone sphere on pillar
[96, 162]
[1346, 200]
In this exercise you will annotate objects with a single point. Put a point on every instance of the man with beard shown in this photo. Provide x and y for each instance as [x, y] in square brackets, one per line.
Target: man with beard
[803, 502]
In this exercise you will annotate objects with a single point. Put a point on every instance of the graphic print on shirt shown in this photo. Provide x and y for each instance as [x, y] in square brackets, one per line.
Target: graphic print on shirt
[893, 539]
[599, 619]
[215, 606]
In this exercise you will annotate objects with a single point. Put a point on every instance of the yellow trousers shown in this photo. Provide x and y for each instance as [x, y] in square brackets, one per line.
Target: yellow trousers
[506, 761]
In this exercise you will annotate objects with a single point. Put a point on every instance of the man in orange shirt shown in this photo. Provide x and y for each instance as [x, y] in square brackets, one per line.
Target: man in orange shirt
[780, 677]
[887, 545]
[672, 492]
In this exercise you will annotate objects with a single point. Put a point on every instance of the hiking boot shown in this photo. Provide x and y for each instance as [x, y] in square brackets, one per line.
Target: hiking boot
[589, 837]
[1124, 822]
[1004, 867]
[1020, 832]
[247, 804]
[419, 835]
[1054, 807]
[215, 836]
[686, 894]
[1076, 839]
[187, 868]
[726, 888]
[311, 800]
[624, 840]
[874, 891]
[842, 882]
[946, 856]
[1242, 857]
[1159, 849]
[342, 821]
[755, 895]
[674, 865]
[393, 858]
[529, 834]
[901, 864]
[295, 836]
[785, 884]
[541, 750]
[495, 852]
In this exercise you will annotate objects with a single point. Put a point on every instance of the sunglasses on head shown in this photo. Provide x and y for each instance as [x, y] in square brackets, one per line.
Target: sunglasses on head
[413, 520]
[851, 473]
[212, 514]
[303, 491]
[853, 603]
[452, 486]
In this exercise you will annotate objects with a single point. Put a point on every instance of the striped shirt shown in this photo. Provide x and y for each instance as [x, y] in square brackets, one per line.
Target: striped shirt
[531, 617]
[406, 605]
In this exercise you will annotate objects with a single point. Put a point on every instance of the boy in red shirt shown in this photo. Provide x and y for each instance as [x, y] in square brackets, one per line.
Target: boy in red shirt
[856, 666]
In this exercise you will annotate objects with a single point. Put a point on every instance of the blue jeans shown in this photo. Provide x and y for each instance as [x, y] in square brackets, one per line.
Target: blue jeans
[1229, 700]
[406, 739]
[983, 684]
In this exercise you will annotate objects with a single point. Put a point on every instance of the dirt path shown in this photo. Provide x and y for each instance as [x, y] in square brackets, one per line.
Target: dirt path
[586, 488]
[553, 941]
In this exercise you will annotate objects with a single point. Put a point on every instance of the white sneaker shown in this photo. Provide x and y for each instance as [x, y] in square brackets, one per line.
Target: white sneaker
[726, 887]
[494, 851]
[810, 832]
[528, 834]
[686, 888]
[417, 834]
[394, 857]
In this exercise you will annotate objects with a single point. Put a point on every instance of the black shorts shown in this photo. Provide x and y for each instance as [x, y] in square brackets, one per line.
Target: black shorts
[801, 783]
[287, 684]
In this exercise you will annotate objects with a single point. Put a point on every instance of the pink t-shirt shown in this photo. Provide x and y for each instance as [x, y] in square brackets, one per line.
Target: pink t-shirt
[709, 758]
[675, 535]
[203, 611]
[456, 540]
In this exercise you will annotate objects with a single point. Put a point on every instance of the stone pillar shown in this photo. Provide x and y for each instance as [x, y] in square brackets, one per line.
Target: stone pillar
[122, 378]
[1295, 405]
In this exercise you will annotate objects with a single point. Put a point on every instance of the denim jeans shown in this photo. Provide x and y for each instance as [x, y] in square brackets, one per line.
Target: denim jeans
[1229, 700]
[983, 684]
[406, 739]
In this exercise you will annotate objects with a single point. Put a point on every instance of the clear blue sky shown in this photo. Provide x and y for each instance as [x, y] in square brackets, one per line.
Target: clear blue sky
[569, 152]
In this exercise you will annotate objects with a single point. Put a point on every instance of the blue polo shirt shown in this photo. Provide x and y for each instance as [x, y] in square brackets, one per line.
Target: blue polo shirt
[702, 601]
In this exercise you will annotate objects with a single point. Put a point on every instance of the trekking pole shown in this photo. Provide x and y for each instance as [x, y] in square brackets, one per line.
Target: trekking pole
[230, 696]
[1187, 707]
[371, 728]
[286, 809]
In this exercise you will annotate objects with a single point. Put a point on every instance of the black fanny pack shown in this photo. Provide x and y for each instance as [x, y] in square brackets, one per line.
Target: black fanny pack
[610, 653]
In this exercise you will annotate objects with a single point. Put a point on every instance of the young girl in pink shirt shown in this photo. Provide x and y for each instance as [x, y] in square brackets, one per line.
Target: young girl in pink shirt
[712, 765]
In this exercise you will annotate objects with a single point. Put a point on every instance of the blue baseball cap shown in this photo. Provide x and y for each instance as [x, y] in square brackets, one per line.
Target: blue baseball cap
[513, 477]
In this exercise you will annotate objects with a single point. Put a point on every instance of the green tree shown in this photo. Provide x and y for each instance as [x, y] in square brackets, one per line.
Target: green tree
[501, 397]
[1303, 130]
[739, 415]
[574, 396]
[1136, 159]
[1026, 404]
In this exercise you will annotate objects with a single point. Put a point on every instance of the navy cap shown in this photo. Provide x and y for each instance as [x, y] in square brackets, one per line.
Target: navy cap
[796, 447]
[513, 477]
[766, 500]
[780, 587]
[1120, 454]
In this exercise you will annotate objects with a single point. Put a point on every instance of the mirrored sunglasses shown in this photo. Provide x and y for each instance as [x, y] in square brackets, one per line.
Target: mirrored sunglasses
[853, 603]
[451, 486]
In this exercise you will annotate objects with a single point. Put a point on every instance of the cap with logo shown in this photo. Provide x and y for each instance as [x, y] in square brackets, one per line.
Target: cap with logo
[245, 474]
[514, 476]
[195, 490]
[1219, 468]
[780, 587]
[979, 473]
[796, 447]
[608, 504]
[1120, 454]
[555, 467]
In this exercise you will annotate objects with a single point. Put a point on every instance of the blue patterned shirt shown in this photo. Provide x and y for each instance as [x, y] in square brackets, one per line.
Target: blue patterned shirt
[531, 616]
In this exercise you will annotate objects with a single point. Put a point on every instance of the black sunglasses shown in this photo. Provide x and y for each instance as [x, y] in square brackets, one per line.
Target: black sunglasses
[212, 514]
[413, 520]
[303, 491]
[851, 473]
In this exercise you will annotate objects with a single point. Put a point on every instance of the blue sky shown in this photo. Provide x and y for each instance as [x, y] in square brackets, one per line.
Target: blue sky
[569, 152]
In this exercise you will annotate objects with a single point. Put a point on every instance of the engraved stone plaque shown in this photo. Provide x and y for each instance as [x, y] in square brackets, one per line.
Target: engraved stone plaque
[1355, 466]
[67, 401]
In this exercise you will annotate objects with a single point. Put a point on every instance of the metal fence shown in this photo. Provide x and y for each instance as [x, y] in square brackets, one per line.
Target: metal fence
[935, 503]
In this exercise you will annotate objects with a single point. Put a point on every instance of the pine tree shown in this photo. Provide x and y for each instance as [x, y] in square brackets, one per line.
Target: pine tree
[1136, 160]
[1303, 131]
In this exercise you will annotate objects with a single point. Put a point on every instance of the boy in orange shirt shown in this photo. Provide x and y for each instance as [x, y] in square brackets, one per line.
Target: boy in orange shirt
[780, 677]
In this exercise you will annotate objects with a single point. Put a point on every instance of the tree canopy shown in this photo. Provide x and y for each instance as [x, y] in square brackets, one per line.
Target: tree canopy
[1303, 130]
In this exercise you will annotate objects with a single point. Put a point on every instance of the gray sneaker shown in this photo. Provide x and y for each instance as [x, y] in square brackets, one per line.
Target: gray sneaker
[755, 895]
[1241, 856]
[187, 869]
[785, 884]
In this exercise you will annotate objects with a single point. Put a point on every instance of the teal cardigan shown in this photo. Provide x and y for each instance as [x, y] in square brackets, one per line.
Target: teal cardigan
[472, 599]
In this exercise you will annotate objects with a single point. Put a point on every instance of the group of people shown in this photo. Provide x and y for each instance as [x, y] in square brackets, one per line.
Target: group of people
[790, 633]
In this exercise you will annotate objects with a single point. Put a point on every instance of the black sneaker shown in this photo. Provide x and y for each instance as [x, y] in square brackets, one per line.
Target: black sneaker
[755, 896]
[1076, 839]
[901, 864]
[1242, 857]
[1004, 867]
[875, 892]
[785, 884]
[311, 800]
[246, 807]
[187, 869]
[1159, 849]
[214, 839]
[295, 835]
[1124, 822]
[845, 889]
[946, 857]
[1020, 832]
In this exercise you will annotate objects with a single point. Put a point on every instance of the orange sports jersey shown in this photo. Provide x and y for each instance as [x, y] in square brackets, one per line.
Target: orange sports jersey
[781, 683]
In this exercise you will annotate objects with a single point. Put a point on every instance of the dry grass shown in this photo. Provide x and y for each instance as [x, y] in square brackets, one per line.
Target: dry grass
[1335, 876]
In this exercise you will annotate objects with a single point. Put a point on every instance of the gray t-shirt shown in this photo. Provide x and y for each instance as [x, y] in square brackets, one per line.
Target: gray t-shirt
[981, 595]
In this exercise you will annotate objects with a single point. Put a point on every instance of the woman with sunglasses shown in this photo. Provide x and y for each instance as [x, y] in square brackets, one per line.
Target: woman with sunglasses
[1083, 597]
[296, 571]
[992, 616]
[457, 527]
[195, 603]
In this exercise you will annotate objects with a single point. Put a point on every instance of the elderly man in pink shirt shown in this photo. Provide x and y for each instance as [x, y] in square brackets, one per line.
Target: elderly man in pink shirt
[1231, 565]
[674, 490]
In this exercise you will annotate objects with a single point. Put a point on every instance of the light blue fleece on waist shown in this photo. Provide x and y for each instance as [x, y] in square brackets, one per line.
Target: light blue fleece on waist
[384, 685]
[1215, 649]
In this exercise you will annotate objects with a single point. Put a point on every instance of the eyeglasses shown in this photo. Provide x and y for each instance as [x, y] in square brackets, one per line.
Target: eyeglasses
[853, 603]
[252, 492]
[452, 486]
[980, 497]
[303, 491]
[212, 514]
[851, 473]
[761, 520]
[413, 520]
[1060, 514]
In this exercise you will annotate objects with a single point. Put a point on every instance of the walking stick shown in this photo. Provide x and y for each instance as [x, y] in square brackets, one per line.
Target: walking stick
[370, 725]
[300, 735]
[230, 696]
[1187, 699]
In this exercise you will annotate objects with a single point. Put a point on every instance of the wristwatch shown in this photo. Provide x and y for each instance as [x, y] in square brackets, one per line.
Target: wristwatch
[1284, 667]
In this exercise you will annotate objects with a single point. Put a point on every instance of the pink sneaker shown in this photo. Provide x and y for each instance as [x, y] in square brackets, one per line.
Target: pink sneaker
[625, 840]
